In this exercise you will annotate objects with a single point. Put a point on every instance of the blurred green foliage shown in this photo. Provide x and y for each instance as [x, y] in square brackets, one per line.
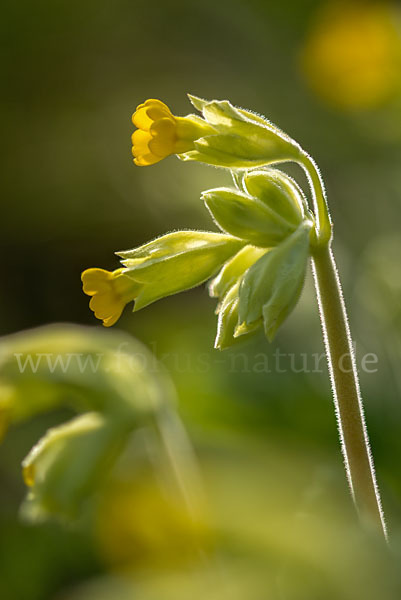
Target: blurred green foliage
[283, 523]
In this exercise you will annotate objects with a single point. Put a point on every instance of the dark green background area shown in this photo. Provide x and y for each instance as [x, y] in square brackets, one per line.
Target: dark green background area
[72, 74]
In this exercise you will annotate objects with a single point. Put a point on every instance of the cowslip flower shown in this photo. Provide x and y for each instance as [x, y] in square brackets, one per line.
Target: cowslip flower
[160, 133]
[224, 136]
[110, 291]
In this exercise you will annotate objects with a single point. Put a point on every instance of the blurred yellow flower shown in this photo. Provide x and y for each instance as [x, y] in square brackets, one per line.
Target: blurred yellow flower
[160, 133]
[110, 291]
[141, 523]
[352, 57]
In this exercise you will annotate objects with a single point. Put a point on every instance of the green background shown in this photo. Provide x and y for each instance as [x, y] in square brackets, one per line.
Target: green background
[72, 74]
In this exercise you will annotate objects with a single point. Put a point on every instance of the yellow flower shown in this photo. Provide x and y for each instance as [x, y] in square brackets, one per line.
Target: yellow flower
[160, 133]
[352, 57]
[110, 291]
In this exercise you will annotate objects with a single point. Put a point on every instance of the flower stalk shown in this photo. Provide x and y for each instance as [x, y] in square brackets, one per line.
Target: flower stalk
[355, 446]
[358, 459]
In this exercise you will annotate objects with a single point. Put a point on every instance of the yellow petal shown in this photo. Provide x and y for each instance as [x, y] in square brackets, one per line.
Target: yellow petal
[148, 112]
[140, 140]
[96, 280]
[147, 159]
[143, 156]
[105, 305]
[111, 320]
[155, 113]
[163, 134]
[153, 103]
[141, 120]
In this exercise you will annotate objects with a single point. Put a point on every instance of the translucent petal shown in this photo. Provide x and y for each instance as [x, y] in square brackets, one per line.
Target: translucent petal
[153, 103]
[105, 305]
[96, 280]
[111, 320]
[140, 140]
[148, 112]
[147, 159]
[163, 127]
[163, 134]
[141, 120]
[155, 113]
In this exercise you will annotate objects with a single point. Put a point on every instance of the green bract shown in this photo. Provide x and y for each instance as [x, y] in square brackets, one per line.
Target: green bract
[176, 262]
[242, 139]
[271, 287]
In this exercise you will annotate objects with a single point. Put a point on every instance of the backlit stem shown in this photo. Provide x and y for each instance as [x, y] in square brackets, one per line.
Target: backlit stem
[319, 199]
[347, 399]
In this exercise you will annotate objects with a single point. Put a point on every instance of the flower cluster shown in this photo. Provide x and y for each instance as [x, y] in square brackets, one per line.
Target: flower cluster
[257, 262]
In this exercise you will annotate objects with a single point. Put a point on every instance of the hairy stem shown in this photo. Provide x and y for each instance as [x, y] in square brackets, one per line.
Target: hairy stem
[319, 199]
[347, 399]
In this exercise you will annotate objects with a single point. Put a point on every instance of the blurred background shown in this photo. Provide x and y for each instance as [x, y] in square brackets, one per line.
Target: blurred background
[281, 523]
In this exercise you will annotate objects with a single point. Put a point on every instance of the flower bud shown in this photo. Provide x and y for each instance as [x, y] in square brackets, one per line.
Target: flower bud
[247, 217]
[279, 193]
[228, 332]
[234, 269]
[271, 287]
[69, 463]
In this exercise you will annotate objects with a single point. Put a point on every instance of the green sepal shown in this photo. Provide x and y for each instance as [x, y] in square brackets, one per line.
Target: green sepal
[272, 286]
[177, 262]
[238, 179]
[228, 333]
[234, 269]
[233, 151]
[246, 217]
[243, 139]
[278, 192]
[197, 102]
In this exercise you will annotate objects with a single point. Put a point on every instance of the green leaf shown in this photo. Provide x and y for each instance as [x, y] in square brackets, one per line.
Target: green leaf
[234, 269]
[246, 217]
[177, 262]
[271, 287]
[278, 192]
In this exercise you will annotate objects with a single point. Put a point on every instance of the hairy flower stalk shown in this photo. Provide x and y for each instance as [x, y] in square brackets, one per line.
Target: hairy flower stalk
[358, 459]
[355, 446]
[257, 261]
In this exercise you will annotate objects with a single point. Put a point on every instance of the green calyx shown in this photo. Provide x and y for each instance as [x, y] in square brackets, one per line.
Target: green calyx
[177, 262]
[268, 209]
[260, 287]
[271, 288]
[242, 139]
